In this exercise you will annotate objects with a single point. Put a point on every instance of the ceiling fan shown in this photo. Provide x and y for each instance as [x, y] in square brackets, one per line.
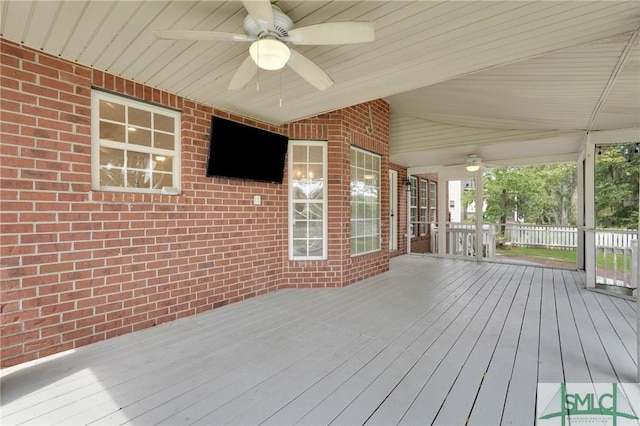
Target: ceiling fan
[271, 33]
[473, 163]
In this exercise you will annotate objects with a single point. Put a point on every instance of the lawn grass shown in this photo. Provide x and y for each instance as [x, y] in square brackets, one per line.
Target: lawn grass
[542, 255]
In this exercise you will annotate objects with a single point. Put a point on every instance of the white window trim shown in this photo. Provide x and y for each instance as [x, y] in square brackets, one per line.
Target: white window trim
[413, 196]
[379, 205]
[325, 202]
[433, 188]
[424, 209]
[96, 143]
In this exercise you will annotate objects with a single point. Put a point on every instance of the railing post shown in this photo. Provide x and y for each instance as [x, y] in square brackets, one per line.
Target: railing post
[635, 262]
[635, 280]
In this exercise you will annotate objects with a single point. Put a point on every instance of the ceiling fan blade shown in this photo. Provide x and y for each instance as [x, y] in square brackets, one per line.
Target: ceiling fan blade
[308, 70]
[200, 35]
[261, 12]
[333, 33]
[244, 74]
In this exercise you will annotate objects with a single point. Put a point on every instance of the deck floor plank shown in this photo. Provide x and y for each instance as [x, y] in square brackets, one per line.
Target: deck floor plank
[574, 363]
[428, 401]
[489, 404]
[519, 407]
[457, 406]
[436, 344]
[432, 340]
[597, 362]
[617, 354]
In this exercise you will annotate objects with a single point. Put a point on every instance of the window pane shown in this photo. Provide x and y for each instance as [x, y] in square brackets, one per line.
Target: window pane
[111, 176]
[139, 136]
[162, 140]
[299, 190]
[315, 211]
[314, 172]
[111, 111]
[138, 179]
[299, 154]
[161, 180]
[162, 163]
[315, 248]
[112, 132]
[315, 154]
[163, 122]
[315, 229]
[138, 117]
[299, 212]
[299, 247]
[137, 160]
[111, 157]
[300, 229]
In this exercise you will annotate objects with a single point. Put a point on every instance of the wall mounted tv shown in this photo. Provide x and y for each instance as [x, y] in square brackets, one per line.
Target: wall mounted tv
[239, 151]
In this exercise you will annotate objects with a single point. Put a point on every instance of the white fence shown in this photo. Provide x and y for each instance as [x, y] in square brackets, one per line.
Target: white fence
[564, 237]
[613, 247]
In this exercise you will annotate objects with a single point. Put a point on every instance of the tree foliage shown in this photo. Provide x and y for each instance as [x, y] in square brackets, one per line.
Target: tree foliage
[546, 195]
[536, 194]
[617, 186]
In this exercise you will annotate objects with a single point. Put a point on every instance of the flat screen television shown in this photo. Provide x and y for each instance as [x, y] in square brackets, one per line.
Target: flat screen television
[239, 151]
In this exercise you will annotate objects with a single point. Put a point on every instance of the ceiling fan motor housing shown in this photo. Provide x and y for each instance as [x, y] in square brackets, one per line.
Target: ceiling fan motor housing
[281, 23]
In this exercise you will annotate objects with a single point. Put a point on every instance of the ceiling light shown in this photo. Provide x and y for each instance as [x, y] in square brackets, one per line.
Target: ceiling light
[269, 54]
[473, 163]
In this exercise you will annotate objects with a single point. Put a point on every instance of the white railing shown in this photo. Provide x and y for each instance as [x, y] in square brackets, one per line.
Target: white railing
[461, 239]
[565, 237]
[615, 267]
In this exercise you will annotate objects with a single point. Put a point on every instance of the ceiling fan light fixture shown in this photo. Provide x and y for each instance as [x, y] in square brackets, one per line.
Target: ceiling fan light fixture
[269, 53]
[473, 163]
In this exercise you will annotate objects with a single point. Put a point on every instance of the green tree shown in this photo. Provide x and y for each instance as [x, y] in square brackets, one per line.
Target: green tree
[535, 194]
[617, 181]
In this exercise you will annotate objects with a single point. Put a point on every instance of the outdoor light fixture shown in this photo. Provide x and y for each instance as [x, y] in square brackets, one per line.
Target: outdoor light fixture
[269, 54]
[473, 163]
[407, 184]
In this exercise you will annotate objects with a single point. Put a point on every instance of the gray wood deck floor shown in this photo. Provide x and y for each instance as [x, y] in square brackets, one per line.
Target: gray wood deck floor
[433, 341]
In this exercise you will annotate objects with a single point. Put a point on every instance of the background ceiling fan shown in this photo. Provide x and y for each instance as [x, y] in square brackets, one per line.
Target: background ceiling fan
[271, 33]
[473, 163]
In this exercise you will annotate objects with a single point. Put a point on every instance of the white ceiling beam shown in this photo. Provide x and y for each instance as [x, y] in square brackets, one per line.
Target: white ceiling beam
[606, 137]
[617, 70]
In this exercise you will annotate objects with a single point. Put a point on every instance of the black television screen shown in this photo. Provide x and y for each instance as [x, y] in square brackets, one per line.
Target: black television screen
[240, 151]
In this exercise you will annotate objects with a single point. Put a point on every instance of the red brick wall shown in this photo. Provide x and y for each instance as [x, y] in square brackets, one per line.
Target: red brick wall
[343, 129]
[79, 266]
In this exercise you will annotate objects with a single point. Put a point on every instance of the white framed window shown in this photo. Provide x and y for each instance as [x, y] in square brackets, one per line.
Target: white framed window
[433, 201]
[365, 202]
[135, 146]
[424, 211]
[413, 205]
[307, 200]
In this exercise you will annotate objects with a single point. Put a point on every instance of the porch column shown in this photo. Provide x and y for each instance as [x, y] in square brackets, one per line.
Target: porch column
[480, 219]
[442, 215]
[580, 169]
[638, 289]
[590, 212]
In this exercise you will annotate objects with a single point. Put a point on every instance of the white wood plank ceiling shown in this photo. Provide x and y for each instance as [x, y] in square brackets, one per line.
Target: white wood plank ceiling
[460, 76]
